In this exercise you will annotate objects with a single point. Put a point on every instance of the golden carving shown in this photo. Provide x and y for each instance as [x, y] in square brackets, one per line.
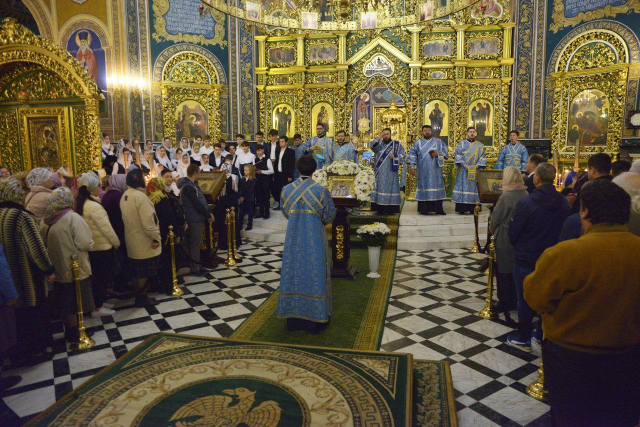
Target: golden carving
[161, 7]
[35, 85]
[339, 241]
[579, 53]
[10, 147]
[201, 70]
[560, 21]
[189, 72]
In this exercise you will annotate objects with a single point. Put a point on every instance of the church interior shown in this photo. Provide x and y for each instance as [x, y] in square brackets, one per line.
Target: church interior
[421, 317]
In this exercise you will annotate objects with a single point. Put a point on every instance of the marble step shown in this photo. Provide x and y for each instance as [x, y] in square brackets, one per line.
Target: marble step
[441, 230]
[450, 219]
[271, 223]
[264, 235]
[431, 243]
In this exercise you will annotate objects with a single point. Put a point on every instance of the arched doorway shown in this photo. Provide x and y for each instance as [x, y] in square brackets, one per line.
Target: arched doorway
[49, 106]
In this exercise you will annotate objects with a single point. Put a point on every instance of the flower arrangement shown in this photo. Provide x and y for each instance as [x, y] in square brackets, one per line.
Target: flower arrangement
[374, 234]
[365, 177]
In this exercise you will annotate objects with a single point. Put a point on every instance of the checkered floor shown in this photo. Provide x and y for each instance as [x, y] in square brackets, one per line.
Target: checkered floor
[431, 314]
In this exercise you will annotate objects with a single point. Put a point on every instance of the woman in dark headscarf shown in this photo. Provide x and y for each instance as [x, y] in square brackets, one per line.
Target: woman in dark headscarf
[111, 204]
[30, 268]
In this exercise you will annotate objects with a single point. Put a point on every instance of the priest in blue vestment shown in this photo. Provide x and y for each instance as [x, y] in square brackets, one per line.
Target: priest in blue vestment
[305, 279]
[429, 154]
[324, 144]
[343, 150]
[389, 154]
[469, 158]
[513, 154]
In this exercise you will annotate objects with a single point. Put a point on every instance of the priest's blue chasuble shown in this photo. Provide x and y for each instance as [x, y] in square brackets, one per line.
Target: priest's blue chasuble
[324, 153]
[305, 278]
[513, 155]
[429, 174]
[471, 155]
[387, 187]
[299, 150]
[346, 151]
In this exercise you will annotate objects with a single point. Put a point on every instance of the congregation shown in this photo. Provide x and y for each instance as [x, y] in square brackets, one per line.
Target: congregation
[548, 243]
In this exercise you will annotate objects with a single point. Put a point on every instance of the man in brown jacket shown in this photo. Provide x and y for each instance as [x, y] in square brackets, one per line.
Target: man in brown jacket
[588, 293]
[142, 234]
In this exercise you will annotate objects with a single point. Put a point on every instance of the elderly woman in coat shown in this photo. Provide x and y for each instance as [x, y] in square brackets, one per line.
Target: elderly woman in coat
[40, 181]
[30, 267]
[513, 189]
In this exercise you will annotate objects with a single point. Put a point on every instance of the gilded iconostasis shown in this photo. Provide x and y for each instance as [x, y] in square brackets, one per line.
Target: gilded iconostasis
[562, 70]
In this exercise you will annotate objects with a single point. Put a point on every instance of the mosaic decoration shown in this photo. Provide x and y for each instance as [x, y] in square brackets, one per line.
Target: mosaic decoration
[178, 21]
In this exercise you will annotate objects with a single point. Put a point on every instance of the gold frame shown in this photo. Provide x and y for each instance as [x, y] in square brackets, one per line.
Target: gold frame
[335, 178]
[60, 113]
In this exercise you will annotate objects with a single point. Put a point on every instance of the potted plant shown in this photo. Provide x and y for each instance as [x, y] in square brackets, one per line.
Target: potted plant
[374, 235]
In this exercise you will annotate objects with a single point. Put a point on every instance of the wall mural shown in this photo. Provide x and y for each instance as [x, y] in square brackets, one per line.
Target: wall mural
[484, 46]
[322, 113]
[282, 55]
[283, 120]
[191, 120]
[437, 48]
[436, 115]
[568, 13]
[86, 47]
[481, 117]
[589, 118]
[178, 21]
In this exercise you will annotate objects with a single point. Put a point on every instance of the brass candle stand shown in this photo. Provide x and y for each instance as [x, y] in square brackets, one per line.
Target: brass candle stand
[489, 311]
[175, 289]
[476, 218]
[537, 389]
[84, 342]
[234, 220]
[230, 261]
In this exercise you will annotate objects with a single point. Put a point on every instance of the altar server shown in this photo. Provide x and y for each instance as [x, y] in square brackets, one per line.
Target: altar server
[469, 157]
[343, 150]
[322, 144]
[513, 154]
[305, 280]
[429, 154]
[389, 154]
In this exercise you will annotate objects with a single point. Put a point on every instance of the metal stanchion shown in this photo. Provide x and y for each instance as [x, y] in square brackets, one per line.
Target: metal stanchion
[537, 389]
[175, 290]
[84, 342]
[476, 218]
[237, 257]
[230, 261]
[489, 311]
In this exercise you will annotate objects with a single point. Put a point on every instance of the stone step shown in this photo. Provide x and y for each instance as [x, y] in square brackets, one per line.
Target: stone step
[271, 223]
[264, 235]
[431, 243]
[441, 230]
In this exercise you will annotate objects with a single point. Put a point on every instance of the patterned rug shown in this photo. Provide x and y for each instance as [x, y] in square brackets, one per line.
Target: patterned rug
[182, 380]
[359, 307]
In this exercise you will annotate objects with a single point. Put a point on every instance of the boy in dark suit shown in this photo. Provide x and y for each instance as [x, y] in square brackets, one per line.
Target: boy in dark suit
[264, 173]
[284, 167]
[247, 189]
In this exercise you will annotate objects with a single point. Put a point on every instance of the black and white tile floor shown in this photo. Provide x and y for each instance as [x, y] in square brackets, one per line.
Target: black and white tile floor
[431, 314]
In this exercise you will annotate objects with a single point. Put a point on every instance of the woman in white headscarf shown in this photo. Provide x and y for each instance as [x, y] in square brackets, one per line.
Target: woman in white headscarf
[196, 156]
[145, 161]
[123, 163]
[102, 256]
[176, 159]
[162, 161]
[185, 145]
[183, 165]
[168, 146]
[40, 182]
[107, 148]
[148, 145]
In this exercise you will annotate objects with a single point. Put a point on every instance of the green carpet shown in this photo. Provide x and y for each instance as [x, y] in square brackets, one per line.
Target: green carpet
[179, 380]
[359, 307]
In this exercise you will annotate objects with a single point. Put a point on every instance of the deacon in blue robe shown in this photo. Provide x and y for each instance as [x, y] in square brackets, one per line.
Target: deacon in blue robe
[299, 150]
[389, 154]
[305, 279]
[343, 150]
[469, 157]
[325, 142]
[429, 154]
[513, 154]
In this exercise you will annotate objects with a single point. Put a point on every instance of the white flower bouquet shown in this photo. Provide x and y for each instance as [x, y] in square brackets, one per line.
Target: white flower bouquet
[364, 181]
[374, 234]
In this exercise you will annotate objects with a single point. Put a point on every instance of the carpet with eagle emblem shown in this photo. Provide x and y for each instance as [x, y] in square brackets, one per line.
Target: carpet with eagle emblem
[179, 380]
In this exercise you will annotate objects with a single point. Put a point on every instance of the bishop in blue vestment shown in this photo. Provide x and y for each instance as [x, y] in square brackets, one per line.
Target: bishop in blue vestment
[429, 154]
[469, 157]
[325, 142]
[305, 279]
[513, 154]
[389, 154]
[343, 150]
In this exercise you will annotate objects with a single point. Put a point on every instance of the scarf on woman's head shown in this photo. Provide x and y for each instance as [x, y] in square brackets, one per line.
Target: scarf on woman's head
[56, 180]
[38, 176]
[135, 179]
[11, 191]
[60, 202]
[164, 161]
[118, 182]
[513, 187]
[89, 180]
[155, 190]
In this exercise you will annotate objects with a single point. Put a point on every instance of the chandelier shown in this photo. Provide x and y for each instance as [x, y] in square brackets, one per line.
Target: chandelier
[339, 15]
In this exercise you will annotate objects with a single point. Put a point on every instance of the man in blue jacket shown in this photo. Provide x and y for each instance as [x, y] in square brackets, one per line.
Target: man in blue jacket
[535, 226]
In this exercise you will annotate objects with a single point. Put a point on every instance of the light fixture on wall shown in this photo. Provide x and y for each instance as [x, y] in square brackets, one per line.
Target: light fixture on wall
[125, 83]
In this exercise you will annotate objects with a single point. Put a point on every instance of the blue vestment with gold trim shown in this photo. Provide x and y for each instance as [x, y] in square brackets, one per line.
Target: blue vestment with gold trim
[387, 187]
[513, 155]
[429, 175]
[471, 155]
[305, 278]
